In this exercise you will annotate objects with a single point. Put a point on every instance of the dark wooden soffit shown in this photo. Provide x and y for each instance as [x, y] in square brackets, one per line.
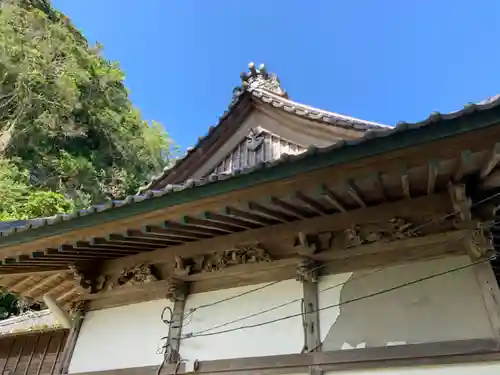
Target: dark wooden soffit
[441, 353]
[367, 153]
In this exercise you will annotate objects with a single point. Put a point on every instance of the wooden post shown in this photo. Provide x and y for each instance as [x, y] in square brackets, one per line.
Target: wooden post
[179, 297]
[307, 274]
[490, 294]
[69, 346]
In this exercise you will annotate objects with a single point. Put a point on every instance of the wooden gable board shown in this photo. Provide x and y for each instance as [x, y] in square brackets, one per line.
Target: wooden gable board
[260, 102]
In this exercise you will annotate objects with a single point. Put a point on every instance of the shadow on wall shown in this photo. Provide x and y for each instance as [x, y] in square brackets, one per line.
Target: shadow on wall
[439, 309]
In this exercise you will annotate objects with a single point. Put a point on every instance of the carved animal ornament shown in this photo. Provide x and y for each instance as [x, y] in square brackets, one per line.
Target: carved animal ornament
[395, 229]
[140, 274]
[220, 260]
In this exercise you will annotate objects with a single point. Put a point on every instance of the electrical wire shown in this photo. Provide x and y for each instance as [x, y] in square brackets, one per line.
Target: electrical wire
[193, 335]
[207, 331]
[409, 231]
[287, 303]
[192, 310]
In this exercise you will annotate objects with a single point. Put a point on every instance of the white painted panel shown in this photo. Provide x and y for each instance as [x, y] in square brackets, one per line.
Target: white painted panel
[120, 337]
[438, 309]
[486, 368]
[284, 337]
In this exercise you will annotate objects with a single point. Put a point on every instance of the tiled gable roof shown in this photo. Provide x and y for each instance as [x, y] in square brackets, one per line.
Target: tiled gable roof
[262, 87]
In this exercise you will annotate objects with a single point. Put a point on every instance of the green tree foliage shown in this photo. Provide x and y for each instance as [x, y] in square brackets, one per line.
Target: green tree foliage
[69, 135]
[65, 115]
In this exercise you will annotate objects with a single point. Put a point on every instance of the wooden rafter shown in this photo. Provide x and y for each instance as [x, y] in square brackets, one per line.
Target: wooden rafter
[463, 165]
[238, 223]
[437, 203]
[42, 285]
[330, 196]
[311, 204]
[405, 183]
[432, 176]
[353, 192]
[287, 207]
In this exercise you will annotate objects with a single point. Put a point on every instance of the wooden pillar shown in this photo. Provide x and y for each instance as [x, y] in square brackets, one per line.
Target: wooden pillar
[490, 293]
[178, 296]
[307, 274]
[69, 346]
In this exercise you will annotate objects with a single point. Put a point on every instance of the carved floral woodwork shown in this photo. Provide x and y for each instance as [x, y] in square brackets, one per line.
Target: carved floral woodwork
[221, 260]
[395, 229]
[480, 242]
[141, 274]
[87, 283]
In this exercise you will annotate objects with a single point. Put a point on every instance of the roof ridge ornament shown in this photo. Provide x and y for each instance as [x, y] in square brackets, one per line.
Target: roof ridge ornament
[260, 78]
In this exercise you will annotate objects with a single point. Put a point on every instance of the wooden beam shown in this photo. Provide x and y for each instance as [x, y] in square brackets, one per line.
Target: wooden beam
[437, 353]
[362, 257]
[61, 315]
[433, 204]
[491, 162]
[432, 177]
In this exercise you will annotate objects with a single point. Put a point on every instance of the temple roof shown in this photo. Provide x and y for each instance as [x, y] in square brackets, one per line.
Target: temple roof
[261, 87]
[430, 125]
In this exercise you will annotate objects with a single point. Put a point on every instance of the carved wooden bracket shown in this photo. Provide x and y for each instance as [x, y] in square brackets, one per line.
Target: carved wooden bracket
[76, 307]
[177, 290]
[460, 201]
[141, 274]
[309, 244]
[480, 242]
[220, 260]
[84, 279]
[307, 270]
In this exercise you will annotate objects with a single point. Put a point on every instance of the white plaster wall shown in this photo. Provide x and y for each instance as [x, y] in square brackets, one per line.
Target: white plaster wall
[284, 337]
[439, 309]
[120, 337]
[486, 368]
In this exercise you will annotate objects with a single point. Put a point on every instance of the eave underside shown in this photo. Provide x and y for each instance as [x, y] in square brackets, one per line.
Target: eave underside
[412, 183]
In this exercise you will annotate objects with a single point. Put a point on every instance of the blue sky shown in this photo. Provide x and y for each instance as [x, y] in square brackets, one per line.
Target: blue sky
[384, 60]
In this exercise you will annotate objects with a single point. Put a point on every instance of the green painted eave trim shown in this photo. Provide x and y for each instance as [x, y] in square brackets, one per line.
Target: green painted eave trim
[369, 148]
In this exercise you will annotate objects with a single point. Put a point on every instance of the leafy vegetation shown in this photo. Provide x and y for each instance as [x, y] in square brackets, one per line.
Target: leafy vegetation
[69, 135]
